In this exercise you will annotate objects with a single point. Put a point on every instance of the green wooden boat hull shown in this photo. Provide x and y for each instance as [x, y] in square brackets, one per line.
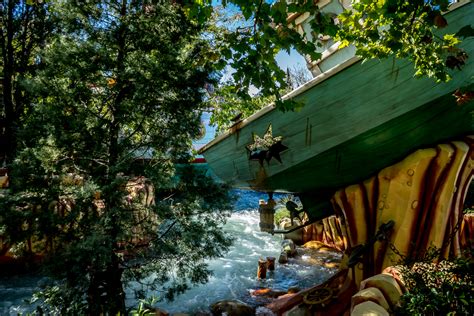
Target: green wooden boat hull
[356, 120]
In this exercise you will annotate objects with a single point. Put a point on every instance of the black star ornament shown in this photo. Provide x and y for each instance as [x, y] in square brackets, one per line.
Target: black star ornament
[274, 151]
[266, 147]
[259, 155]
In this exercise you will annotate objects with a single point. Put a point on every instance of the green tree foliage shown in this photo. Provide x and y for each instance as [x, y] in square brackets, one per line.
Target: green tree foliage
[227, 107]
[404, 29]
[124, 80]
[378, 29]
[24, 26]
[250, 45]
[118, 95]
[444, 288]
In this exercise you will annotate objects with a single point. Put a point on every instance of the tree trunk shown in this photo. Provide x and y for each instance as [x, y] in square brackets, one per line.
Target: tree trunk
[7, 86]
[106, 294]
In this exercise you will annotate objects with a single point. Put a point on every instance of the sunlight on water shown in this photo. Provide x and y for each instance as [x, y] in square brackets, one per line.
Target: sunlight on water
[15, 290]
[235, 274]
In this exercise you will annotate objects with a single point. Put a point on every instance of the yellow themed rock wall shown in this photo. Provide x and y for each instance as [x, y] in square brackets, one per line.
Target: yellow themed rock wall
[329, 231]
[423, 195]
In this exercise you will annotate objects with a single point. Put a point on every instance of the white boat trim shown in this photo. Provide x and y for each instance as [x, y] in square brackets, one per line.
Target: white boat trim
[301, 89]
[310, 84]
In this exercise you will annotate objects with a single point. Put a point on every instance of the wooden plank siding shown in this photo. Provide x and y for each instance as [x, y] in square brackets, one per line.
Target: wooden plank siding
[354, 123]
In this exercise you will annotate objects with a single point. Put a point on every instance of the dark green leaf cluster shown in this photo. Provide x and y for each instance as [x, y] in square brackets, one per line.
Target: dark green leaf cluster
[108, 105]
[404, 29]
[191, 217]
[250, 47]
[226, 105]
[24, 28]
[98, 186]
[412, 30]
[445, 288]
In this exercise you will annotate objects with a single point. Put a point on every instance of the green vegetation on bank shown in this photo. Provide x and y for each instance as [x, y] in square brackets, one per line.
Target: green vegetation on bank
[446, 288]
[280, 214]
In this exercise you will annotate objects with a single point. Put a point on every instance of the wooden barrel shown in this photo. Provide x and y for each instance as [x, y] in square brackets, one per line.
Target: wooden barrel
[267, 213]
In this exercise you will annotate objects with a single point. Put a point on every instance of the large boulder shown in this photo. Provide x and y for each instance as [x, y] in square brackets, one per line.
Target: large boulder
[320, 246]
[263, 311]
[297, 235]
[289, 247]
[284, 223]
[387, 285]
[267, 292]
[159, 312]
[4, 182]
[283, 258]
[369, 308]
[372, 294]
[232, 308]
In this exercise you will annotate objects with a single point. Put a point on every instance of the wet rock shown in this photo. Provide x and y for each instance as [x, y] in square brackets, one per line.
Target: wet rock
[263, 311]
[369, 294]
[298, 311]
[159, 312]
[231, 308]
[369, 308]
[283, 258]
[289, 247]
[296, 236]
[334, 258]
[319, 246]
[313, 244]
[288, 243]
[293, 290]
[331, 265]
[326, 249]
[266, 292]
[284, 223]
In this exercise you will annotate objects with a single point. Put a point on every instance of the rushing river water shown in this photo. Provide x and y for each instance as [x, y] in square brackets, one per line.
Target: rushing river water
[234, 275]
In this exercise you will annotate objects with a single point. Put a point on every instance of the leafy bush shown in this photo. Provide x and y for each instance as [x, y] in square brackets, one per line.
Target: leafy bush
[446, 288]
[280, 214]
